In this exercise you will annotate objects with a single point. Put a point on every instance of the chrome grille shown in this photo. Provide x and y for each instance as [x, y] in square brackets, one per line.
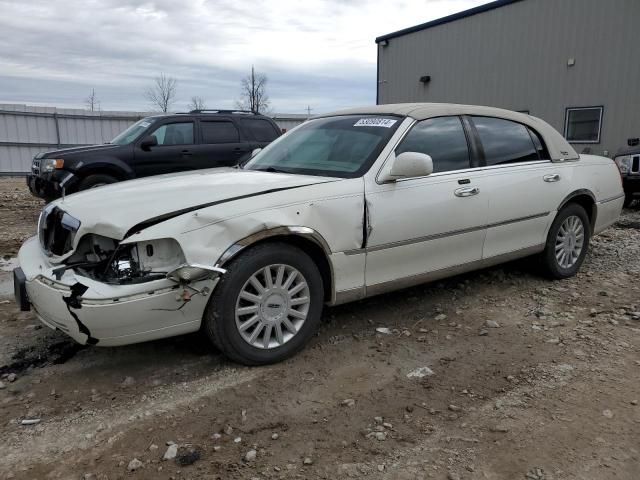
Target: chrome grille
[635, 164]
[35, 167]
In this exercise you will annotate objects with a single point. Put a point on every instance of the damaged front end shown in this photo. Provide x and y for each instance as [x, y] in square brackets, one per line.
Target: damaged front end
[110, 292]
[109, 261]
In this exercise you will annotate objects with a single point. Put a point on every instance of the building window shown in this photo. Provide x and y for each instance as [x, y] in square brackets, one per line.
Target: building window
[583, 125]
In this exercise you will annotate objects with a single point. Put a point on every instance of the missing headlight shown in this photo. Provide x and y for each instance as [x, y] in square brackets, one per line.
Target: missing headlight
[105, 260]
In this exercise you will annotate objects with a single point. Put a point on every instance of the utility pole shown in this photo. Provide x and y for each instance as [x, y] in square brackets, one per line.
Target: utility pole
[309, 110]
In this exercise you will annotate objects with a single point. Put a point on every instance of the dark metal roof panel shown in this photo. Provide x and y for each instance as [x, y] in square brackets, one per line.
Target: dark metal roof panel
[449, 18]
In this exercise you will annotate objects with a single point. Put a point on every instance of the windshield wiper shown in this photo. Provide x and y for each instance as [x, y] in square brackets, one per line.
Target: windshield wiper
[272, 170]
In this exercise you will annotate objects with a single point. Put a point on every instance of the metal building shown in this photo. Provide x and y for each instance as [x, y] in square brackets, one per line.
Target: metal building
[570, 62]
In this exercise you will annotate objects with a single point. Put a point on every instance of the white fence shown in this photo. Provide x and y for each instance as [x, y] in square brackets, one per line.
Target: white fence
[26, 130]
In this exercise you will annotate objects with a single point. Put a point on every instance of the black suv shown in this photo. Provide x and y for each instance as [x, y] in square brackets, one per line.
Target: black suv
[628, 161]
[152, 146]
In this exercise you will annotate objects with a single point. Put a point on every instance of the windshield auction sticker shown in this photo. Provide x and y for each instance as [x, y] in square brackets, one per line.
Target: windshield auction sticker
[375, 122]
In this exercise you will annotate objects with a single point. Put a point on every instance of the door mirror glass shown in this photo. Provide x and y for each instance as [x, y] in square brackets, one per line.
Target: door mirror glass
[408, 165]
[148, 142]
[255, 151]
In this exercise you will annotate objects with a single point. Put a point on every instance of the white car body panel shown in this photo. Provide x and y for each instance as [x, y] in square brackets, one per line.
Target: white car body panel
[398, 248]
[376, 236]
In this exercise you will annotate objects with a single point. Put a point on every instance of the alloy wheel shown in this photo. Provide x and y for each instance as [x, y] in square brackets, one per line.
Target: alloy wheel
[272, 306]
[569, 241]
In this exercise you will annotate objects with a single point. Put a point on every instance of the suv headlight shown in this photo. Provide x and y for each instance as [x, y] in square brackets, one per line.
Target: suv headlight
[51, 164]
[624, 163]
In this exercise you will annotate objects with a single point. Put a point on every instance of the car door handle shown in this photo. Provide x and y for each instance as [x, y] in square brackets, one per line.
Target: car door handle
[553, 177]
[186, 153]
[467, 191]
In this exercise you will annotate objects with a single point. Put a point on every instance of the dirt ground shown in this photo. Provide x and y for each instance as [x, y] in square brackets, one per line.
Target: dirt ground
[524, 379]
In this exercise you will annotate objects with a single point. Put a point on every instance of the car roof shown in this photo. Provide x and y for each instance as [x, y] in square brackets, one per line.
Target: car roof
[559, 148]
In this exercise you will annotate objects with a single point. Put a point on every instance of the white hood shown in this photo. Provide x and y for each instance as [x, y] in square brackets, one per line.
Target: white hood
[113, 210]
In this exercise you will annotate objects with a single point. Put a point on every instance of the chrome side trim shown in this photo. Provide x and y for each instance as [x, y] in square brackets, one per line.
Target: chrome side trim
[610, 199]
[406, 282]
[402, 243]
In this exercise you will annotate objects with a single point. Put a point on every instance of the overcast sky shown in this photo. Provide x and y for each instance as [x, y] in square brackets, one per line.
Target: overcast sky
[319, 53]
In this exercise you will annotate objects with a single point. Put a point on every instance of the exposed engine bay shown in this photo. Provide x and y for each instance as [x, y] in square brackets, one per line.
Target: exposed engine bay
[109, 261]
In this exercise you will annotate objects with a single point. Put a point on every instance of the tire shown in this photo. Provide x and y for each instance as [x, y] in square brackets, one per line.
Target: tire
[96, 180]
[628, 200]
[222, 320]
[572, 218]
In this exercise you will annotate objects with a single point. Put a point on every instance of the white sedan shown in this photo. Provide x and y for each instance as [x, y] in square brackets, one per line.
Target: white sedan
[346, 206]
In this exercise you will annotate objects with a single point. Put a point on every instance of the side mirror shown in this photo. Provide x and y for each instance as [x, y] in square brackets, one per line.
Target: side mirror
[255, 151]
[408, 165]
[148, 142]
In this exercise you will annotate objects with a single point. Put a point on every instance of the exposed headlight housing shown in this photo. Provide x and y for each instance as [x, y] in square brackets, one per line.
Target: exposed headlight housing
[624, 163]
[51, 164]
[193, 273]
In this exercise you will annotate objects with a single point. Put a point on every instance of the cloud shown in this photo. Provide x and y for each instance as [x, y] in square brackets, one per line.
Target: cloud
[319, 53]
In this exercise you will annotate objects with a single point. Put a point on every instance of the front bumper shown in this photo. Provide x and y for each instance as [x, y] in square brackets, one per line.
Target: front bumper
[631, 184]
[50, 185]
[92, 312]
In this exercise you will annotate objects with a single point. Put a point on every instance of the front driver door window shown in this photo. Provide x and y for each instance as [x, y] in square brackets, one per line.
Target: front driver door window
[174, 152]
[422, 225]
[175, 134]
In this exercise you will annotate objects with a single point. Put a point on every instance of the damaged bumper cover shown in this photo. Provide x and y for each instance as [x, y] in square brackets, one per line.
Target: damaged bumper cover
[96, 313]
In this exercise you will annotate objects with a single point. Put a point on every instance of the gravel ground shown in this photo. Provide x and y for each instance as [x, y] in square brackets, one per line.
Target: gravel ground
[498, 374]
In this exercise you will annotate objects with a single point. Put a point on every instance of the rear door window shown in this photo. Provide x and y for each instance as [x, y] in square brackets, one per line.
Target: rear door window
[222, 131]
[442, 138]
[261, 130]
[504, 141]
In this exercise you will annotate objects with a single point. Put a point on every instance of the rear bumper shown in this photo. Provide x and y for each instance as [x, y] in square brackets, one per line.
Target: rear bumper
[609, 211]
[101, 314]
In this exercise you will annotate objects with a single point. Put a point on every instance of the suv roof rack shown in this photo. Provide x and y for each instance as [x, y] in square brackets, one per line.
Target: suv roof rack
[207, 110]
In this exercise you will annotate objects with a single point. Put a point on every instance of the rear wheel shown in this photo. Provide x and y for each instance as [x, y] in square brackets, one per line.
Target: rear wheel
[267, 306]
[97, 180]
[567, 242]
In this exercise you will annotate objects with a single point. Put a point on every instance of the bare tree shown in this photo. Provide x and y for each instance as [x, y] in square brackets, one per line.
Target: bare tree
[92, 101]
[163, 92]
[197, 103]
[253, 93]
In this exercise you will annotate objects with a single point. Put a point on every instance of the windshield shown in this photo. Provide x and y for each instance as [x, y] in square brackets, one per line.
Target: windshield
[344, 146]
[131, 133]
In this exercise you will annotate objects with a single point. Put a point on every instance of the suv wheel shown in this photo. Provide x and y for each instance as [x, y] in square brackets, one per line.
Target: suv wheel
[267, 306]
[96, 180]
[628, 200]
[567, 242]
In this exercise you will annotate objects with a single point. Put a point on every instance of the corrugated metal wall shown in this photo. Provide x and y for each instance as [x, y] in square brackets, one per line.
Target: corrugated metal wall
[516, 56]
[26, 130]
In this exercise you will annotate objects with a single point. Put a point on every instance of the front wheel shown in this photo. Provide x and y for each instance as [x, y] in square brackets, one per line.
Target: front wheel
[567, 242]
[96, 180]
[267, 305]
